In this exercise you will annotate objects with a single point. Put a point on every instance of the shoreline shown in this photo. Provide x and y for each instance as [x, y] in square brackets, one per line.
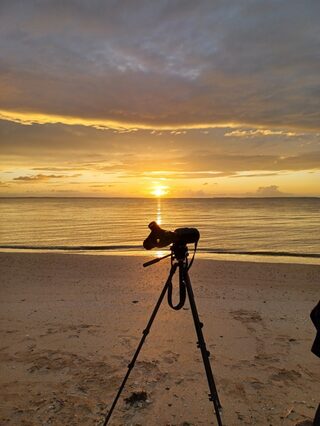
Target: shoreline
[256, 257]
[70, 325]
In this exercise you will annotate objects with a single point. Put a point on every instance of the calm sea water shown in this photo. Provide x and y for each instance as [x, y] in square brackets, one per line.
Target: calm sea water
[273, 226]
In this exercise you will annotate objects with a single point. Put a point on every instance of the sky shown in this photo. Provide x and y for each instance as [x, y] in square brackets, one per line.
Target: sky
[160, 98]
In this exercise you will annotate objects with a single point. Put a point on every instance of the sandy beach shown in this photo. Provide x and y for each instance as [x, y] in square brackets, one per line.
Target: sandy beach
[71, 323]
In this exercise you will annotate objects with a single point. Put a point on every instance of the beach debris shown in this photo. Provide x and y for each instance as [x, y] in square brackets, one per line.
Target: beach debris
[292, 415]
[56, 405]
[290, 410]
[136, 399]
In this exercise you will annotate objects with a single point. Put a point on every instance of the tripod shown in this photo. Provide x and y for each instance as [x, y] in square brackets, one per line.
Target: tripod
[179, 254]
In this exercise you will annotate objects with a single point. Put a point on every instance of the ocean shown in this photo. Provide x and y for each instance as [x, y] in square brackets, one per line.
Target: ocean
[228, 226]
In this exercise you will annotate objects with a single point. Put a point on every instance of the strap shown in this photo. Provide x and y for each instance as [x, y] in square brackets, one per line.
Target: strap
[182, 292]
[194, 253]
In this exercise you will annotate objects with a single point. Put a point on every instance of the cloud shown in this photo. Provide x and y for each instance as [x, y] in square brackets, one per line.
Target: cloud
[41, 177]
[254, 175]
[180, 175]
[199, 161]
[62, 148]
[104, 185]
[171, 65]
[59, 168]
[270, 191]
[55, 150]
[260, 132]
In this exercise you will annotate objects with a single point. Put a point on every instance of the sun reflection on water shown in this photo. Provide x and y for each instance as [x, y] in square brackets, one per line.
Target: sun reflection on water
[159, 219]
[159, 253]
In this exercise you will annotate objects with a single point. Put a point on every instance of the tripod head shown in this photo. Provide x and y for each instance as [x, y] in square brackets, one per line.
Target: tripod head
[161, 238]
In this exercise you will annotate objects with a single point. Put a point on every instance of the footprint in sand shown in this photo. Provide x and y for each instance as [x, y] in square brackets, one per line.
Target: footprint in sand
[246, 316]
[170, 357]
[75, 329]
[283, 375]
[127, 340]
[148, 373]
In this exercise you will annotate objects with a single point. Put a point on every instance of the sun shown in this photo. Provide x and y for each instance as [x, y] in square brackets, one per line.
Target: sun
[159, 191]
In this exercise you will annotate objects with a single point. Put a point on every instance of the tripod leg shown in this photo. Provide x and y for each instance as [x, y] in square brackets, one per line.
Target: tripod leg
[213, 396]
[143, 338]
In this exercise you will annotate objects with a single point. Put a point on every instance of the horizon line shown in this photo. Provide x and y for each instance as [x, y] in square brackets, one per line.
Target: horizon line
[161, 198]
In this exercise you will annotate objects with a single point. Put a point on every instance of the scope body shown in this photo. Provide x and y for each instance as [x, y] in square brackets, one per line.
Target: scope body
[161, 238]
[186, 235]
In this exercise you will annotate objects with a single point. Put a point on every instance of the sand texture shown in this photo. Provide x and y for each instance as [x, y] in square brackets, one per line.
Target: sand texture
[71, 323]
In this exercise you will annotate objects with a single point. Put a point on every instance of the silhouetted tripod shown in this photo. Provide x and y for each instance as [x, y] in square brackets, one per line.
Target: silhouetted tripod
[179, 260]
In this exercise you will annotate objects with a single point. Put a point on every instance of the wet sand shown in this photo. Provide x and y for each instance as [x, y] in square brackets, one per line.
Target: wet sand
[71, 323]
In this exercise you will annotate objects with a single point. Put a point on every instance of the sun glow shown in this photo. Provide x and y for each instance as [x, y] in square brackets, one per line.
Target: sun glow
[159, 190]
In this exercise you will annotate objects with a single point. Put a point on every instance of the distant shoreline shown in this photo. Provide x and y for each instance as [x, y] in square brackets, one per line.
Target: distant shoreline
[165, 198]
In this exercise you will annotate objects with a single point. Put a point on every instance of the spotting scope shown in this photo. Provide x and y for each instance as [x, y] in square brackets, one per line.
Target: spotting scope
[161, 238]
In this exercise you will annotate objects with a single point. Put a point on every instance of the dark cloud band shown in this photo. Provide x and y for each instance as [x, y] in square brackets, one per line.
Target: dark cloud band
[177, 64]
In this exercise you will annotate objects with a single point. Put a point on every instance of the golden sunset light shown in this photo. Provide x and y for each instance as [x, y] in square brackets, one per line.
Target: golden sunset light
[91, 114]
[140, 142]
[159, 190]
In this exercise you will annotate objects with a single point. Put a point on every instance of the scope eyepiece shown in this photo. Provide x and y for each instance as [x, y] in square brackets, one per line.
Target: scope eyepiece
[161, 238]
[187, 235]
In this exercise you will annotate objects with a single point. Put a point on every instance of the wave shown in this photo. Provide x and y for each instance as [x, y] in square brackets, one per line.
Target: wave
[139, 248]
[262, 253]
[70, 248]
